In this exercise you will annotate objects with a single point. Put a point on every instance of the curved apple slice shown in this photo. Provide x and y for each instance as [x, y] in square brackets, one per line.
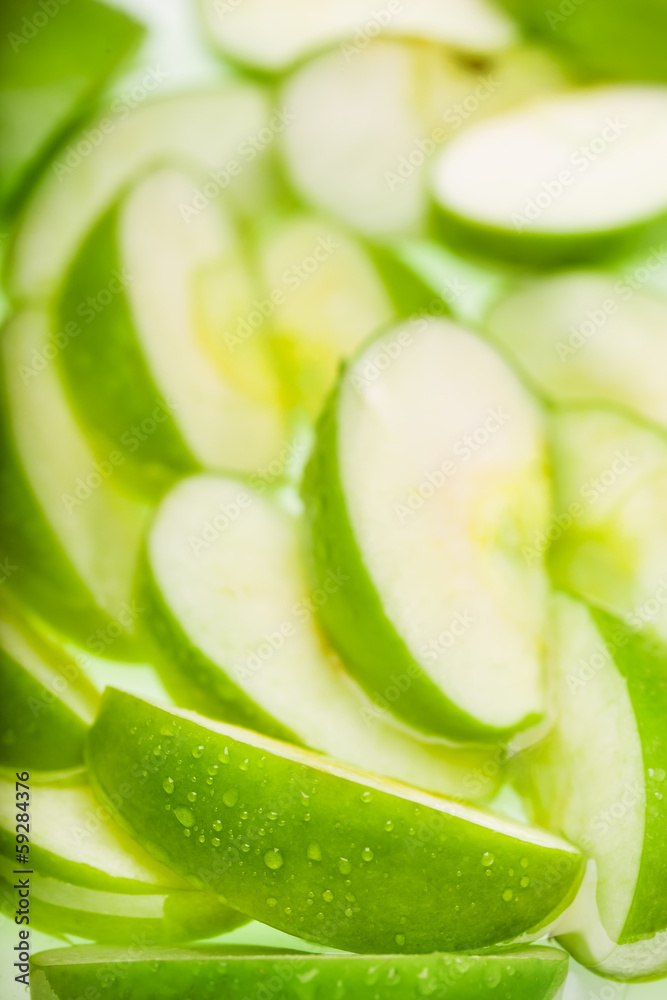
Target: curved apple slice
[48, 78]
[216, 132]
[312, 847]
[609, 532]
[530, 973]
[584, 337]
[167, 410]
[75, 840]
[575, 176]
[258, 34]
[599, 779]
[366, 129]
[428, 476]
[70, 536]
[47, 701]
[60, 909]
[234, 618]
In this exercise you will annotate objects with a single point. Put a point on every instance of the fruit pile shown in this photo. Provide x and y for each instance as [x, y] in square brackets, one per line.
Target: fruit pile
[333, 466]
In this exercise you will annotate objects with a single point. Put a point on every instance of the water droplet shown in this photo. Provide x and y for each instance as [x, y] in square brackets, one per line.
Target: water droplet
[507, 895]
[243, 814]
[314, 851]
[349, 912]
[273, 859]
[659, 774]
[272, 901]
[350, 898]
[487, 859]
[215, 841]
[511, 872]
[493, 976]
[389, 825]
[217, 824]
[201, 838]
[231, 797]
[157, 750]
[192, 796]
[184, 816]
[168, 785]
[272, 815]
[245, 848]
[213, 769]
[400, 939]
[367, 854]
[197, 751]
[243, 766]
[327, 895]
[525, 882]
[224, 756]
[366, 796]
[344, 866]
[524, 862]
[186, 832]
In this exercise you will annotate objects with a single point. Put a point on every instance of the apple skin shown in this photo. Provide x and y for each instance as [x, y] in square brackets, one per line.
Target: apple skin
[240, 972]
[325, 863]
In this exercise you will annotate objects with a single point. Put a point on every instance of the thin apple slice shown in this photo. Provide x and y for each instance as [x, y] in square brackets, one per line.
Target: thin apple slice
[234, 618]
[218, 133]
[599, 779]
[564, 178]
[70, 536]
[609, 532]
[428, 476]
[60, 909]
[584, 337]
[47, 701]
[49, 78]
[75, 840]
[312, 847]
[239, 972]
[367, 128]
[167, 410]
[300, 28]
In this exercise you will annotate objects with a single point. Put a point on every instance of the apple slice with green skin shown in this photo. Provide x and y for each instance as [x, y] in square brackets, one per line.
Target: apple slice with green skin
[47, 703]
[389, 110]
[312, 847]
[428, 474]
[609, 529]
[60, 909]
[234, 620]
[217, 132]
[584, 337]
[242, 971]
[599, 779]
[168, 410]
[47, 78]
[302, 29]
[575, 176]
[70, 536]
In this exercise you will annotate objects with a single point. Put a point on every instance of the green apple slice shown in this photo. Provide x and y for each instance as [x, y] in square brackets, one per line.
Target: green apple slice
[315, 848]
[48, 77]
[575, 176]
[584, 337]
[599, 779]
[73, 839]
[387, 113]
[428, 475]
[609, 530]
[47, 701]
[240, 972]
[60, 909]
[167, 410]
[70, 536]
[234, 619]
[299, 29]
[217, 132]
